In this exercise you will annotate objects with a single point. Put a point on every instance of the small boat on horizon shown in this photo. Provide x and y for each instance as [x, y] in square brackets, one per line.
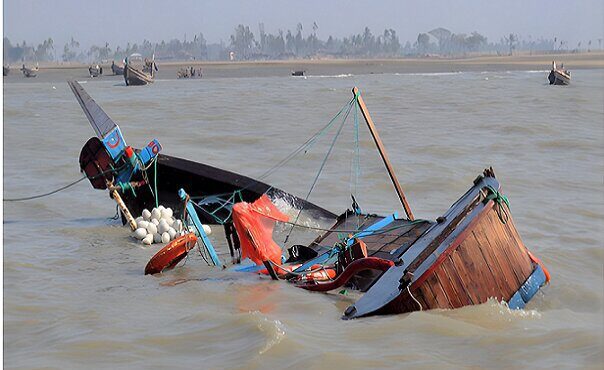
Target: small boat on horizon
[95, 70]
[139, 71]
[558, 76]
[299, 73]
[29, 72]
[189, 72]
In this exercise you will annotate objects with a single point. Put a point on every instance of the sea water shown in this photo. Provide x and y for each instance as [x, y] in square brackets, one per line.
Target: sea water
[74, 291]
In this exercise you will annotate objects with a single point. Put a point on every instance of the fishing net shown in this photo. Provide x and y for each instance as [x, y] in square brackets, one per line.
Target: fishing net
[254, 223]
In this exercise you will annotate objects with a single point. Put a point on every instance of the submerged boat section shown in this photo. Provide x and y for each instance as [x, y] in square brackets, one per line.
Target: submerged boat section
[472, 253]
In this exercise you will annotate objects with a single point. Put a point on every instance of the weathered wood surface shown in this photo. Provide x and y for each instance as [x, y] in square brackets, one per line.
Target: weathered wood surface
[490, 262]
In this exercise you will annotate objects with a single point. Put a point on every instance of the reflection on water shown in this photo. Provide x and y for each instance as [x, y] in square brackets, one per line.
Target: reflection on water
[74, 288]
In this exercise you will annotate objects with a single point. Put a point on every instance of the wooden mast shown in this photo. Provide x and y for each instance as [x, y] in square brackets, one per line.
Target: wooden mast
[382, 151]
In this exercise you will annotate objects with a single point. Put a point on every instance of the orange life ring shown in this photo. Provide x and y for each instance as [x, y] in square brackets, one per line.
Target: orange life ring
[171, 254]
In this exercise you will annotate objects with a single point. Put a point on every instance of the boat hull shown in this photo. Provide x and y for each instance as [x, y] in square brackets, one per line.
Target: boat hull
[201, 180]
[557, 77]
[134, 77]
[472, 254]
[117, 71]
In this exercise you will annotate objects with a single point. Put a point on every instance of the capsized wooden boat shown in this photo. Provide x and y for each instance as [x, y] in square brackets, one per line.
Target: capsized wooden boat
[470, 254]
[558, 76]
[138, 71]
[165, 175]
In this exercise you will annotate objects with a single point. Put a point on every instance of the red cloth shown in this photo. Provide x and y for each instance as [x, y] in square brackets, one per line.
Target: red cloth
[254, 223]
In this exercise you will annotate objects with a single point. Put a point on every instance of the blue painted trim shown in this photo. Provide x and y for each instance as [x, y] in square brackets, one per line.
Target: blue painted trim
[150, 151]
[206, 241]
[528, 290]
[248, 266]
[114, 143]
[368, 231]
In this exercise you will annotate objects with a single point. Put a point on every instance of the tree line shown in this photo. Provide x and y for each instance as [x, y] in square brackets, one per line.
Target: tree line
[247, 44]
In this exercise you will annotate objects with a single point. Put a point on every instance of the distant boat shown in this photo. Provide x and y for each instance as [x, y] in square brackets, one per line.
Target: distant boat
[558, 76]
[117, 70]
[95, 71]
[138, 71]
[5, 70]
[189, 72]
[29, 72]
[299, 73]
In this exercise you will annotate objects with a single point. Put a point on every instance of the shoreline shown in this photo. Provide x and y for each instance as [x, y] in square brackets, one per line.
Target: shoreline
[336, 67]
[591, 60]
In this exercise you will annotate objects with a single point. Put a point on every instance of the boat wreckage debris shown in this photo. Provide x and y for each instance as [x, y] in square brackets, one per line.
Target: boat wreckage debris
[471, 253]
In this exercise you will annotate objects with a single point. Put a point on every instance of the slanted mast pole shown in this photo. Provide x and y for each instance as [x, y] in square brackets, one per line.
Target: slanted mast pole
[382, 151]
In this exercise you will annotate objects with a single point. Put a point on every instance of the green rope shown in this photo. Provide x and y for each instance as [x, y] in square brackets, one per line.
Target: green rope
[126, 186]
[499, 200]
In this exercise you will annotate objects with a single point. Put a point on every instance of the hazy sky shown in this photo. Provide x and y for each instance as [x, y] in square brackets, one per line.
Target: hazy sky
[119, 21]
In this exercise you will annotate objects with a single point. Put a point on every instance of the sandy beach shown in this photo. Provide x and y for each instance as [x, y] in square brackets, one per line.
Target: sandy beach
[574, 61]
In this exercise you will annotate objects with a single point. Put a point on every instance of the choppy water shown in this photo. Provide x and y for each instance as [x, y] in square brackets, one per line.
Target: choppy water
[74, 291]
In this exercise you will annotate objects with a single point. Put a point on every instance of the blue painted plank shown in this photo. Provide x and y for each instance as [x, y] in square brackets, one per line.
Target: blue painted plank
[206, 241]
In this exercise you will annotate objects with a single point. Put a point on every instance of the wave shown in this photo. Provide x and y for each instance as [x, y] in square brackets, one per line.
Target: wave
[429, 74]
[333, 76]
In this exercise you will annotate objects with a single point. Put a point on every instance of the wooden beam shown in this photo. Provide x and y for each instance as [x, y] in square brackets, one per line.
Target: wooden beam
[382, 151]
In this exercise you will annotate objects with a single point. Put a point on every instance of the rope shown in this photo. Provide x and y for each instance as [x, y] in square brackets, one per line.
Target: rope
[499, 200]
[61, 188]
[306, 145]
[45, 194]
[333, 143]
[416, 301]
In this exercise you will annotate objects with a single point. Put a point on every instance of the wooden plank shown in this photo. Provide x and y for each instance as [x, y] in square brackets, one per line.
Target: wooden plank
[382, 151]
[465, 277]
[490, 261]
[499, 264]
[453, 275]
[438, 291]
[417, 294]
[520, 249]
[477, 266]
[448, 288]
[500, 243]
[425, 291]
